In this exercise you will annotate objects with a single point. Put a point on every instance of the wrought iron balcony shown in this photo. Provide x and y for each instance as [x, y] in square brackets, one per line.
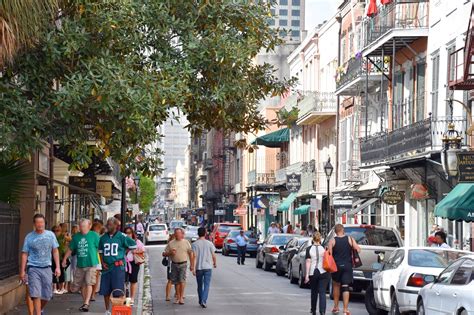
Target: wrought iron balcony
[405, 19]
[411, 140]
[261, 179]
[351, 76]
[316, 107]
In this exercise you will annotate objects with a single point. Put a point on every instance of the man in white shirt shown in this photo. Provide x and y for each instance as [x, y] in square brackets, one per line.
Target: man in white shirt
[285, 228]
[273, 229]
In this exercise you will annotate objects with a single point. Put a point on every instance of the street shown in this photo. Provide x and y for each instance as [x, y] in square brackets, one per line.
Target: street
[236, 290]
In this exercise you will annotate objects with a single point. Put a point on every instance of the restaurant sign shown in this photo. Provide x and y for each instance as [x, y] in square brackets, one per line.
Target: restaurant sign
[293, 182]
[393, 197]
[466, 167]
[85, 182]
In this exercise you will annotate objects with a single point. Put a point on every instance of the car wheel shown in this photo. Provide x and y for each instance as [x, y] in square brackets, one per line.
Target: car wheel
[266, 266]
[279, 270]
[370, 304]
[293, 280]
[301, 283]
[258, 264]
[420, 308]
[288, 271]
[394, 308]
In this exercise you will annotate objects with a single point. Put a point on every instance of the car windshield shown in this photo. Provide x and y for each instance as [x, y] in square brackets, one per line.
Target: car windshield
[228, 228]
[372, 236]
[303, 240]
[192, 229]
[432, 258]
[280, 239]
[176, 224]
[160, 227]
[234, 233]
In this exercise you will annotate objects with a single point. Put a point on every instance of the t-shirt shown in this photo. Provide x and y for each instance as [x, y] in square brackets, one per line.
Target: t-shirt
[39, 247]
[241, 240]
[183, 248]
[203, 249]
[86, 248]
[312, 252]
[113, 247]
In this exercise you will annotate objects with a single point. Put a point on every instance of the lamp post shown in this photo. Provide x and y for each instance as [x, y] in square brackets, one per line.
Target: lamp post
[328, 169]
[136, 179]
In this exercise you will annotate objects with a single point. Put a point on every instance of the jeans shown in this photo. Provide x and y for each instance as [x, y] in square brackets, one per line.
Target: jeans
[319, 283]
[241, 250]
[203, 278]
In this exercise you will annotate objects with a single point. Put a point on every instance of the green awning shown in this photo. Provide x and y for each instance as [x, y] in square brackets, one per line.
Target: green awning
[458, 205]
[286, 203]
[302, 210]
[273, 139]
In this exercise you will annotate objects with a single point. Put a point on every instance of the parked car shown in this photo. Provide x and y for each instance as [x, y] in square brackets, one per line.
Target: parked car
[376, 243]
[287, 253]
[267, 253]
[230, 247]
[191, 233]
[396, 285]
[452, 292]
[156, 232]
[297, 265]
[174, 224]
[220, 231]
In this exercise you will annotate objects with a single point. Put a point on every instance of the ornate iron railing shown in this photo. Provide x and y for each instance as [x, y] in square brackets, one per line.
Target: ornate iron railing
[313, 101]
[358, 67]
[9, 240]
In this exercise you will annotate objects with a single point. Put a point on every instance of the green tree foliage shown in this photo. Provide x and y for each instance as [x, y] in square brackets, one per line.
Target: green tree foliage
[105, 74]
[147, 193]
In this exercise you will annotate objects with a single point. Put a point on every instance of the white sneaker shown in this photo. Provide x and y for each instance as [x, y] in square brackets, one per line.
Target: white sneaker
[108, 313]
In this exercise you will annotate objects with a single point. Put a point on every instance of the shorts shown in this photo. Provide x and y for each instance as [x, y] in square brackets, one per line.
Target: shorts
[84, 277]
[344, 274]
[168, 272]
[39, 283]
[133, 276]
[112, 279]
[178, 273]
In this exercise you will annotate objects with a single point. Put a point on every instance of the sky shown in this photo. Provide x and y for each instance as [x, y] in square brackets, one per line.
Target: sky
[319, 10]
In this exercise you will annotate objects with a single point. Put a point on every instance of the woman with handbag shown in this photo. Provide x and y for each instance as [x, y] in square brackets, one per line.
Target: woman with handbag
[343, 248]
[133, 261]
[316, 275]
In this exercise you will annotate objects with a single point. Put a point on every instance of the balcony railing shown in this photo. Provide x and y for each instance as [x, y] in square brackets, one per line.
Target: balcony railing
[255, 178]
[356, 68]
[316, 106]
[422, 136]
[399, 15]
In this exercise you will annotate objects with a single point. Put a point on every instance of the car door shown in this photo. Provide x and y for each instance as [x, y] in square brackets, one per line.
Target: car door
[451, 295]
[433, 299]
[286, 252]
[389, 277]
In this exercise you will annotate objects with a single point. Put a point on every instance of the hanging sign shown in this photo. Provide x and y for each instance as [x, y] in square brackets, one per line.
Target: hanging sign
[293, 182]
[419, 192]
[393, 197]
[466, 167]
[85, 182]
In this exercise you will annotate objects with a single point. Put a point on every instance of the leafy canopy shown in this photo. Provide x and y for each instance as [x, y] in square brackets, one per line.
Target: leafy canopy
[106, 73]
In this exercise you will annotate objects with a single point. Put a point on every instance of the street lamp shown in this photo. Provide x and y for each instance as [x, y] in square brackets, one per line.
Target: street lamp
[452, 144]
[328, 169]
[136, 179]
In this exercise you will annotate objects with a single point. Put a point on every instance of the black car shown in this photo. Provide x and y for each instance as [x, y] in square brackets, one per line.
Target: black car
[287, 254]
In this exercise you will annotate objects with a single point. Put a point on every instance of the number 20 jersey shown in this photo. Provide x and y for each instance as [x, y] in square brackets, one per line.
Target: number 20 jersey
[113, 248]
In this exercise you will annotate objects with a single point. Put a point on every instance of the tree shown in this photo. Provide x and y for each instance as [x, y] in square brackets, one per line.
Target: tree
[110, 71]
[146, 193]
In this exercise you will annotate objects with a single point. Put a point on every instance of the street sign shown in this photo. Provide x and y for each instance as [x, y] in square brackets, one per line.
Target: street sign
[466, 167]
[393, 197]
[293, 182]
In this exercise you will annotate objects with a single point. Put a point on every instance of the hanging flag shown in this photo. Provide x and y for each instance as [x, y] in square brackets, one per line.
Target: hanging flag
[258, 203]
[372, 8]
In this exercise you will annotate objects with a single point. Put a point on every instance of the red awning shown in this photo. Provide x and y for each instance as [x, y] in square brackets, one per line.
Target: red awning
[372, 9]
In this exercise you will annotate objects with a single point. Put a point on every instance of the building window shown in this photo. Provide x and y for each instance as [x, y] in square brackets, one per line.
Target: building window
[451, 73]
[283, 22]
[295, 33]
[283, 12]
[295, 23]
[283, 2]
[283, 33]
[296, 2]
[295, 12]
[398, 106]
[420, 91]
[435, 84]
[272, 11]
[271, 22]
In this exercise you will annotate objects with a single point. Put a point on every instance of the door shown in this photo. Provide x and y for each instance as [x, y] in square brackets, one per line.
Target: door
[432, 300]
[389, 277]
[451, 296]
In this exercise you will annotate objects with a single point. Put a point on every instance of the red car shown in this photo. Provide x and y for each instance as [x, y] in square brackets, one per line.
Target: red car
[220, 231]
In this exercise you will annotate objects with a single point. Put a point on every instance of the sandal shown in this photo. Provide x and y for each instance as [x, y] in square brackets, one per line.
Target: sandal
[84, 308]
[346, 313]
[335, 310]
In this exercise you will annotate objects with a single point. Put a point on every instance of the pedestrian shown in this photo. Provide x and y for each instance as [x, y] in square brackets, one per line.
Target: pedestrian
[140, 230]
[316, 275]
[340, 247]
[309, 231]
[285, 228]
[58, 282]
[280, 229]
[132, 268]
[112, 247]
[441, 240]
[179, 250]
[289, 229]
[204, 260]
[97, 227]
[273, 229]
[86, 246]
[297, 229]
[39, 248]
[73, 258]
[241, 240]
[169, 284]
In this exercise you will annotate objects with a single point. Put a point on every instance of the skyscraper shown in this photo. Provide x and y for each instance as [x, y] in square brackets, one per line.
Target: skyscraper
[174, 143]
[289, 16]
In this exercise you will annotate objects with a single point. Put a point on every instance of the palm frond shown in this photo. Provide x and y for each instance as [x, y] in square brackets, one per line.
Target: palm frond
[13, 181]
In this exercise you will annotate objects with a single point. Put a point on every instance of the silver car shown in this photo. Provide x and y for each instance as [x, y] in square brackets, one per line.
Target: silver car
[452, 292]
[191, 233]
[297, 265]
[267, 253]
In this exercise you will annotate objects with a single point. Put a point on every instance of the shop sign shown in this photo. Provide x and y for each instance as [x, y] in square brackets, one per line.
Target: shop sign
[104, 188]
[393, 197]
[241, 210]
[219, 212]
[293, 182]
[466, 167]
[419, 192]
[86, 182]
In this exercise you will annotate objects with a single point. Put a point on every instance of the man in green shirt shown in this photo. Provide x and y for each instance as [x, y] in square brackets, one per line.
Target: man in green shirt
[112, 248]
[85, 245]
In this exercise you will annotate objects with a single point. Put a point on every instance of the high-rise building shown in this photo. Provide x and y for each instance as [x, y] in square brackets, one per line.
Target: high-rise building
[174, 143]
[289, 16]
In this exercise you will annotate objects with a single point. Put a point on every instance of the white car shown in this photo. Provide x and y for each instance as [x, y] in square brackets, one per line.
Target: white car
[452, 292]
[396, 285]
[156, 232]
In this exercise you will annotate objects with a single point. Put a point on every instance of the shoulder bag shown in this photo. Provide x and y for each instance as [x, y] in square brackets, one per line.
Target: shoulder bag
[328, 263]
[356, 261]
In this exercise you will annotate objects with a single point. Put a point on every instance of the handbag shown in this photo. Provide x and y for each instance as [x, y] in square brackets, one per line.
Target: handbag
[165, 261]
[356, 261]
[328, 262]
[139, 258]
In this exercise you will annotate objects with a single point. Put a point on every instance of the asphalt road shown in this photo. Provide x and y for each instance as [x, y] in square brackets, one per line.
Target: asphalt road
[236, 290]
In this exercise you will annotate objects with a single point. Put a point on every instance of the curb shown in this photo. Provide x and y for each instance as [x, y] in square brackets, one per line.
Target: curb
[145, 306]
